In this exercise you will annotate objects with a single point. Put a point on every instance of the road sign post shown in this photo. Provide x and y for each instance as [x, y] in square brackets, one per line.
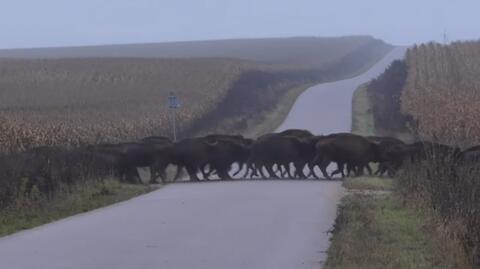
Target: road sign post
[173, 104]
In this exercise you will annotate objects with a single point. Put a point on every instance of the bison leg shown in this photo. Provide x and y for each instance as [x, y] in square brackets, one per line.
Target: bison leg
[241, 166]
[287, 167]
[178, 173]
[340, 170]
[153, 176]
[369, 169]
[324, 172]
[381, 169]
[192, 173]
[132, 175]
[322, 164]
[261, 171]
[223, 173]
[206, 174]
[323, 168]
[311, 167]
[336, 172]
[249, 170]
[257, 169]
[282, 170]
[299, 170]
[271, 172]
[361, 167]
[158, 170]
[163, 176]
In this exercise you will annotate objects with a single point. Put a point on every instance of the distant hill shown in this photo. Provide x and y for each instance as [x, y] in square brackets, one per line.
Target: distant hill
[298, 51]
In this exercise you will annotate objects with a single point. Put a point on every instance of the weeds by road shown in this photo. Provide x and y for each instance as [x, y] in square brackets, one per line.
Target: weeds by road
[369, 184]
[362, 115]
[35, 211]
[374, 229]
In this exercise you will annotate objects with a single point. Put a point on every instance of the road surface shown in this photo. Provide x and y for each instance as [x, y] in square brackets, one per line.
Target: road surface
[241, 224]
[327, 108]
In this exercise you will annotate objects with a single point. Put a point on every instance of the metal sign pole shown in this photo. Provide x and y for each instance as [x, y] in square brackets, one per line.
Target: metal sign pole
[174, 126]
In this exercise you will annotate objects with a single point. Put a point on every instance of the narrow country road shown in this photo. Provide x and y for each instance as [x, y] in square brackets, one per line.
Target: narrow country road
[239, 224]
[327, 108]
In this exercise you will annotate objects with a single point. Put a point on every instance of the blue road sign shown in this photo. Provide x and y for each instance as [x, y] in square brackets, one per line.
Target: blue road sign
[173, 101]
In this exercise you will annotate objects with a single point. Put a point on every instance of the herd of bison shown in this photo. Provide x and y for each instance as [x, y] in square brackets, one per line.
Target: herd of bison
[288, 154]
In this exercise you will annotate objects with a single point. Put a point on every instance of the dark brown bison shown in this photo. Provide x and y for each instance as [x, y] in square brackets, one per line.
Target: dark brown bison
[296, 133]
[127, 157]
[219, 152]
[305, 150]
[230, 149]
[282, 150]
[345, 149]
[399, 154]
[385, 164]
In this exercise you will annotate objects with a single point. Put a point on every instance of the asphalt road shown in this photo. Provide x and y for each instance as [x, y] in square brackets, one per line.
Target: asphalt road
[327, 108]
[238, 224]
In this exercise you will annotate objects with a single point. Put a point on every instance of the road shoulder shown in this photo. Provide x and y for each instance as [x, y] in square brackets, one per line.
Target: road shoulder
[374, 229]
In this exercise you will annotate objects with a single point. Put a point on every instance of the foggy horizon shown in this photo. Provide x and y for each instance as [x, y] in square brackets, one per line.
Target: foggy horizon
[57, 23]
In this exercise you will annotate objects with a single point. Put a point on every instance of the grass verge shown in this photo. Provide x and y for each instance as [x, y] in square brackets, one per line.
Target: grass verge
[362, 114]
[375, 230]
[35, 211]
[369, 184]
[363, 121]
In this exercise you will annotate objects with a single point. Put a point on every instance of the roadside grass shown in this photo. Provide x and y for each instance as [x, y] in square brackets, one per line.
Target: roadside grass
[375, 229]
[36, 210]
[369, 183]
[363, 122]
[378, 231]
[362, 114]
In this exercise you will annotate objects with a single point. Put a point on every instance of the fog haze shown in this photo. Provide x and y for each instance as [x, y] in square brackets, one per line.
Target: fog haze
[46, 23]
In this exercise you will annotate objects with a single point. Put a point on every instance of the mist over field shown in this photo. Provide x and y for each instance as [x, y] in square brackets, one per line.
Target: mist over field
[30, 23]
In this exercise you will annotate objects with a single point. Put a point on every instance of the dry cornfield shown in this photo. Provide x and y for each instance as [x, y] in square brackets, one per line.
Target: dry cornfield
[439, 90]
[74, 101]
[440, 100]
[442, 91]
[65, 102]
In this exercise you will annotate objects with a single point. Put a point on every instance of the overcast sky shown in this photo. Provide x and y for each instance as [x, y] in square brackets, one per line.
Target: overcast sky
[41, 23]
